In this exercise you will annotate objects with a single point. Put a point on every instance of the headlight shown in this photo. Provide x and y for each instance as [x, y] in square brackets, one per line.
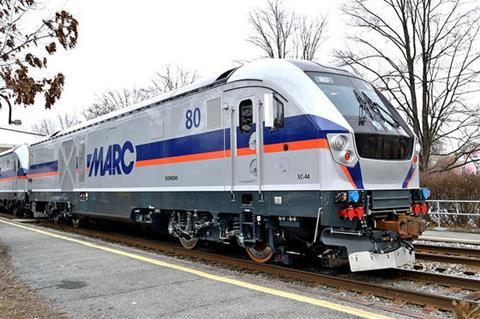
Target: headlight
[342, 148]
[340, 142]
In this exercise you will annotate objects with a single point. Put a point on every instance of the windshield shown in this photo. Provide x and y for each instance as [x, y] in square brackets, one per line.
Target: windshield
[340, 89]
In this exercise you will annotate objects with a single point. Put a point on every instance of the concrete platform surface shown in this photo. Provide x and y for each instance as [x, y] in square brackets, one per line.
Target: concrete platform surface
[451, 236]
[87, 282]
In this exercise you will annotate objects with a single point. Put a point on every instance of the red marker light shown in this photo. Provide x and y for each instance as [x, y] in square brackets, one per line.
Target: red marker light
[424, 208]
[414, 159]
[350, 213]
[347, 156]
[416, 209]
[359, 211]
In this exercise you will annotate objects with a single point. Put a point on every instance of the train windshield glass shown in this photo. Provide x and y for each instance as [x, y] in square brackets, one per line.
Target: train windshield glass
[346, 92]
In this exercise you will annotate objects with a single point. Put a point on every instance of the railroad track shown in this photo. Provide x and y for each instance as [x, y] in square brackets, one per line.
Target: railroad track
[363, 287]
[454, 255]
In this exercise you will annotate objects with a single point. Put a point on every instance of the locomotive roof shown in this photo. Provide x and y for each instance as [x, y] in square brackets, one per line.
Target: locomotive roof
[197, 86]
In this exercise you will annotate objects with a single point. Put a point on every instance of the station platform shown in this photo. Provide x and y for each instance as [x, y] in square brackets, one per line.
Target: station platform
[86, 278]
[451, 236]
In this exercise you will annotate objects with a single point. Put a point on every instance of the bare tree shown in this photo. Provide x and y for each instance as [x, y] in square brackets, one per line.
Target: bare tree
[273, 27]
[61, 122]
[310, 33]
[113, 100]
[424, 54]
[280, 33]
[20, 50]
[171, 78]
[44, 127]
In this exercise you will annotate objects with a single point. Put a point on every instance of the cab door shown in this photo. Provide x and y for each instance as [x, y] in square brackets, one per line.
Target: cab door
[247, 143]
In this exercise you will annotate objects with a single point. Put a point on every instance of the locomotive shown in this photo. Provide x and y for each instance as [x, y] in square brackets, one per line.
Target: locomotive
[282, 157]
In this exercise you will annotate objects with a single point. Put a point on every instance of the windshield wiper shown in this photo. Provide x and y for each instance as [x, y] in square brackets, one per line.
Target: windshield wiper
[362, 108]
[376, 108]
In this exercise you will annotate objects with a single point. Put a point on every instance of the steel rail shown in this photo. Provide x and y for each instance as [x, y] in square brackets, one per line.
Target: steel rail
[380, 290]
[454, 255]
[439, 279]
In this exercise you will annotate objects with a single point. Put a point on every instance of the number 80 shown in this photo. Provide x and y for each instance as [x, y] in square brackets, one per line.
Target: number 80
[192, 118]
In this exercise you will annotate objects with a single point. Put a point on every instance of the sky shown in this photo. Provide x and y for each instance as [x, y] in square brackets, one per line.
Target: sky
[122, 43]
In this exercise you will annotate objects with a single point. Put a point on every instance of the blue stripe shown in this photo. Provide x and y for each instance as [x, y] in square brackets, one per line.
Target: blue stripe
[44, 167]
[409, 176]
[356, 174]
[200, 143]
[296, 128]
[11, 173]
[7, 174]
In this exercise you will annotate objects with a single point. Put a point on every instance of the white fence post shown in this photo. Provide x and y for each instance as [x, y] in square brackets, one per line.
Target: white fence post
[439, 220]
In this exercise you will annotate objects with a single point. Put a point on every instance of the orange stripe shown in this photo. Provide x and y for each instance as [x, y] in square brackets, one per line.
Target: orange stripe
[347, 173]
[6, 179]
[297, 146]
[245, 151]
[184, 158]
[292, 146]
[43, 174]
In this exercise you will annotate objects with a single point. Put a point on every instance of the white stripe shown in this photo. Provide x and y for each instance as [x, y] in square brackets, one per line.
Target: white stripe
[252, 188]
[153, 189]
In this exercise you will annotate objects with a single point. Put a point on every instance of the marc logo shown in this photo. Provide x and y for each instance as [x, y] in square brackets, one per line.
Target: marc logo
[115, 160]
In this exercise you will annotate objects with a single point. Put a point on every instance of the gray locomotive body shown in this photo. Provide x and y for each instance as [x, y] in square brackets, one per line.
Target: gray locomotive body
[332, 168]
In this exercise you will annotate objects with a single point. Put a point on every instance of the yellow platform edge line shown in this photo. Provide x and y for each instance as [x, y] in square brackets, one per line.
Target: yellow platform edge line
[271, 291]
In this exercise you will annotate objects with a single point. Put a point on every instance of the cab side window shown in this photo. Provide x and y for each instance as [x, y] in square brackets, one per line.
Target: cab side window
[278, 113]
[246, 116]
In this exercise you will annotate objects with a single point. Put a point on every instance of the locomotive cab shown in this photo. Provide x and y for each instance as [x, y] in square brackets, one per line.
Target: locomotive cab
[380, 215]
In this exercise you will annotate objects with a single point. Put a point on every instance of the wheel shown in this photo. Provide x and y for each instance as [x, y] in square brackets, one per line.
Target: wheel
[189, 243]
[18, 212]
[261, 253]
[76, 221]
[56, 219]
